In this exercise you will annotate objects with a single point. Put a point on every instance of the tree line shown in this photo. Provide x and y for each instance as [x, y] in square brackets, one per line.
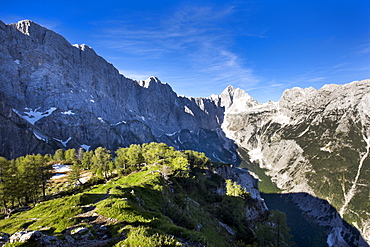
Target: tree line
[25, 179]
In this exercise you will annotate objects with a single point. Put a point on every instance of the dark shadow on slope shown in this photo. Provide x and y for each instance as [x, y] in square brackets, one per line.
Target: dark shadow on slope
[308, 230]
[312, 220]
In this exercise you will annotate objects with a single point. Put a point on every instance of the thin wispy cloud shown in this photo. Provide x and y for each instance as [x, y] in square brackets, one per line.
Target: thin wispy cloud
[193, 35]
[317, 79]
[225, 67]
[364, 48]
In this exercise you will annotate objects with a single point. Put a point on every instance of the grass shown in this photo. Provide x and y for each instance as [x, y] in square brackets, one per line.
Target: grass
[147, 210]
[145, 237]
[141, 200]
[56, 214]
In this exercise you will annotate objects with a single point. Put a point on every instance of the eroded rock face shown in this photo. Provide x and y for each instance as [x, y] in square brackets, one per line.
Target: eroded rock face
[58, 95]
[314, 141]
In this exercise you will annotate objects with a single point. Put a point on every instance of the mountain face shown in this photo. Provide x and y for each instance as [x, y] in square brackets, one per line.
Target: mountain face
[57, 95]
[313, 141]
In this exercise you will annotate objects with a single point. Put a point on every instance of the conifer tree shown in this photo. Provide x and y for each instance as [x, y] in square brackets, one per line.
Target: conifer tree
[4, 167]
[59, 155]
[75, 173]
[102, 160]
[121, 158]
[87, 159]
[234, 189]
[70, 155]
[275, 232]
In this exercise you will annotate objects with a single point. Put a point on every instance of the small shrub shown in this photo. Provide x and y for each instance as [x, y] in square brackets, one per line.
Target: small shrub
[142, 237]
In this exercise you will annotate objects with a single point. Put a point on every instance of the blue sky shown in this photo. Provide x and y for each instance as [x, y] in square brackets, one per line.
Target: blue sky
[200, 47]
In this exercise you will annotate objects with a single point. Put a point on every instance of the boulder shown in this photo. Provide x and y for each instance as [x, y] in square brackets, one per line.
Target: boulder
[25, 236]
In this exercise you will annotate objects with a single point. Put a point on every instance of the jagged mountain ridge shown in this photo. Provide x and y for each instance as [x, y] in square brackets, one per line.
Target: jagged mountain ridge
[55, 95]
[314, 141]
[71, 97]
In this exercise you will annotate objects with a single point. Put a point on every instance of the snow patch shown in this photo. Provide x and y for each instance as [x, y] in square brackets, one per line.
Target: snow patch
[101, 120]
[172, 134]
[59, 168]
[228, 228]
[178, 138]
[254, 175]
[121, 122]
[64, 143]
[187, 110]
[84, 179]
[146, 83]
[86, 147]
[69, 112]
[218, 158]
[32, 116]
[58, 175]
[40, 137]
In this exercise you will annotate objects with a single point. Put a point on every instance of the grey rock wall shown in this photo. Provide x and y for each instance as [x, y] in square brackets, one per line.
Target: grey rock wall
[70, 97]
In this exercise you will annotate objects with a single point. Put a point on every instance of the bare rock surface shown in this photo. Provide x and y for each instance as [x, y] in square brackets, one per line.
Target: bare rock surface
[57, 95]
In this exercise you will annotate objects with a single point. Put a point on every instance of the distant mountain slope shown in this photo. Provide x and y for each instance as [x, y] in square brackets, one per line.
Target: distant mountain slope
[314, 141]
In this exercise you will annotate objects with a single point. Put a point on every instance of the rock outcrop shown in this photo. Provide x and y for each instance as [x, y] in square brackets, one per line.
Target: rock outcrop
[250, 184]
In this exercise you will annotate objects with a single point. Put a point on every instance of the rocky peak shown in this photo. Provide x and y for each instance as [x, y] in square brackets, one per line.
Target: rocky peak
[37, 33]
[236, 99]
[24, 26]
[295, 95]
[150, 81]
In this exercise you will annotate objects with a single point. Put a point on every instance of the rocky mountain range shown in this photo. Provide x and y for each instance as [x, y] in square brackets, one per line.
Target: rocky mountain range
[57, 95]
[313, 141]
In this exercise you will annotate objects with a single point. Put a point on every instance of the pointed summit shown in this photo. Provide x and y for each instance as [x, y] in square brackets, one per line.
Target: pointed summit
[146, 83]
[231, 96]
[39, 34]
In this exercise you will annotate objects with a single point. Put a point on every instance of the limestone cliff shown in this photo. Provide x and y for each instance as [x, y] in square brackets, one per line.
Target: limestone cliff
[69, 97]
[314, 141]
